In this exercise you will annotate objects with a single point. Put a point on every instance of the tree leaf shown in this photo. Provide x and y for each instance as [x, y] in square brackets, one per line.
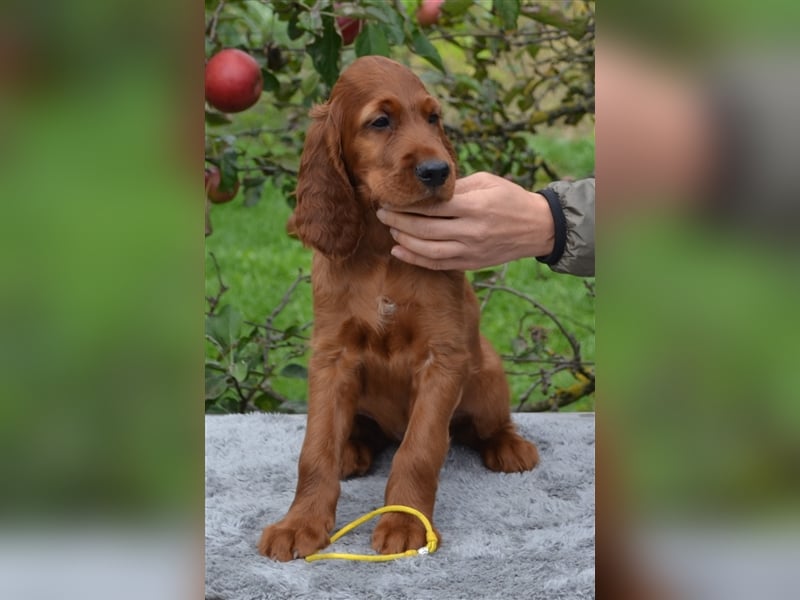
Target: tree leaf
[252, 194]
[391, 21]
[216, 384]
[293, 29]
[266, 403]
[508, 11]
[295, 371]
[426, 50]
[456, 8]
[228, 170]
[271, 82]
[224, 326]
[239, 370]
[324, 51]
[217, 118]
[308, 85]
[372, 40]
[484, 276]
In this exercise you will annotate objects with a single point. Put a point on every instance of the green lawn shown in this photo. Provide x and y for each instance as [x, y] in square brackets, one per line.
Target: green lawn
[259, 262]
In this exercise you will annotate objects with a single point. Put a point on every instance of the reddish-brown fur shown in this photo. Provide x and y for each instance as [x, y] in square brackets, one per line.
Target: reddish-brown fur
[396, 351]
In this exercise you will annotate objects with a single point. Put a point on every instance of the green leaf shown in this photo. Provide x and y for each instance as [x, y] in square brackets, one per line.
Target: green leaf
[266, 403]
[229, 173]
[426, 50]
[252, 193]
[295, 371]
[271, 82]
[508, 11]
[311, 20]
[456, 8]
[239, 370]
[309, 83]
[293, 29]
[224, 327]
[466, 84]
[324, 51]
[372, 40]
[217, 118]
[390, 20]
[290, 331]
[216, 384]
[484, 275]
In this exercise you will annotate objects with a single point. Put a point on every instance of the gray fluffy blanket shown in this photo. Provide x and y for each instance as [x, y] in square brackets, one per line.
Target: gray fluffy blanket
[527, 536]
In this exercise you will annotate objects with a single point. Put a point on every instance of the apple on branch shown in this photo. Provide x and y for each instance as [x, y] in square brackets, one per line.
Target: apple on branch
[349, 28]
[213, 191]
[233, 81]
[429, 12]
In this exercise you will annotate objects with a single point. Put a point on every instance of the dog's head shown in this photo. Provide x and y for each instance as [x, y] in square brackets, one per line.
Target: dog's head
[379, 140]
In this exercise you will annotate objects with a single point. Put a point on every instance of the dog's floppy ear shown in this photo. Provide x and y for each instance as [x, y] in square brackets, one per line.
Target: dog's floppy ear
[327, 216]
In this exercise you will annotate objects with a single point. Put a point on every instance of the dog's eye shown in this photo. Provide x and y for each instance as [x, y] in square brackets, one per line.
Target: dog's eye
[380, 123]
[433, 119]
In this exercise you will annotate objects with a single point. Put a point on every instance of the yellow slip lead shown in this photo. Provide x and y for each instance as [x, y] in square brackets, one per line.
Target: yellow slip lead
[430, 536]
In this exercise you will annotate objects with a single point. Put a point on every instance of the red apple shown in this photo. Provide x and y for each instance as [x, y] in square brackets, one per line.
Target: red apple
[429, 12]
[349, 28]
[233, 80]
[212, 187]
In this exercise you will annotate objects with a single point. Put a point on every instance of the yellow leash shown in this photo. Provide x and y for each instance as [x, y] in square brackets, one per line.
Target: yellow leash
[430, 536]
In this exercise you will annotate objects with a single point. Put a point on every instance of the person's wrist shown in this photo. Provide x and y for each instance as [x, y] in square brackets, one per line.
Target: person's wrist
[559, 223]
[543, 228]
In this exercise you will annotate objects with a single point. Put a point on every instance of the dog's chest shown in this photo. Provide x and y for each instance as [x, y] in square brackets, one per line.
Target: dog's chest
[386, 308]
[383, 324]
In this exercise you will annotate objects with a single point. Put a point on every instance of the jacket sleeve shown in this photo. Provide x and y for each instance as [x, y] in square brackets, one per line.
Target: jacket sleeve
[572, 205]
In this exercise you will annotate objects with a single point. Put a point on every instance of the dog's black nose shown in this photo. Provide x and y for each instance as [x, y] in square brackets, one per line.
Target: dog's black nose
[432, 173]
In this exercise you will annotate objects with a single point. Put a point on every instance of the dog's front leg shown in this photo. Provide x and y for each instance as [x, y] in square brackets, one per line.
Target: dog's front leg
[333, 394]
[414, 477]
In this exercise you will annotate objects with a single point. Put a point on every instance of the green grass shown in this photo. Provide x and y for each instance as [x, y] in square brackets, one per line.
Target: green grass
[569, 157]
[259, 262]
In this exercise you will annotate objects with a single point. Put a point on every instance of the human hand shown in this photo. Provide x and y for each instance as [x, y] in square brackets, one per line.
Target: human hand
[489, 221]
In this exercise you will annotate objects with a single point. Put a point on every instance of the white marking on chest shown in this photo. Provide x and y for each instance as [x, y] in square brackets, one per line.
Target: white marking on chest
[386, 308]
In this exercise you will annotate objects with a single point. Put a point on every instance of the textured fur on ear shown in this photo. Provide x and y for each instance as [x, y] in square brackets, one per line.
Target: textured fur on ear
[327, 216]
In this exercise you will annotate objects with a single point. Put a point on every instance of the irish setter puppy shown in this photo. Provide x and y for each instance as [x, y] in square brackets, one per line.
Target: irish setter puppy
[396, 351]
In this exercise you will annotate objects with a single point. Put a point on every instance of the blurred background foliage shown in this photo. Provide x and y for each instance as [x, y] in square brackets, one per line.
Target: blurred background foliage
[516, 80]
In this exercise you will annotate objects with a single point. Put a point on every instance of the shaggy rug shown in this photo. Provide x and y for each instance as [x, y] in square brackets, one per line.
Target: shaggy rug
[527, 536]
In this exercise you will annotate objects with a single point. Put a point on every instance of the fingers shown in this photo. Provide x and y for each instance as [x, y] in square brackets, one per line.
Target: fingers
[404, 254]
[442, 209]
[434, 250]
[423, 226]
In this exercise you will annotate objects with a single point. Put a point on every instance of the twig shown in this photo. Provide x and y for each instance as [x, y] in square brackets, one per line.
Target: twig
[277, 310]
[501, 276]
[212, 25]
[560, 362]
[565, 396]
[286, 297]
[213, 301]
[574, 344]
[527, 394]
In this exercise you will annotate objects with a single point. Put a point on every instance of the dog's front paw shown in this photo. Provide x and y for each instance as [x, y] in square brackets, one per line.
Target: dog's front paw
[293, 538]
[397, 533]
[508, 452]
